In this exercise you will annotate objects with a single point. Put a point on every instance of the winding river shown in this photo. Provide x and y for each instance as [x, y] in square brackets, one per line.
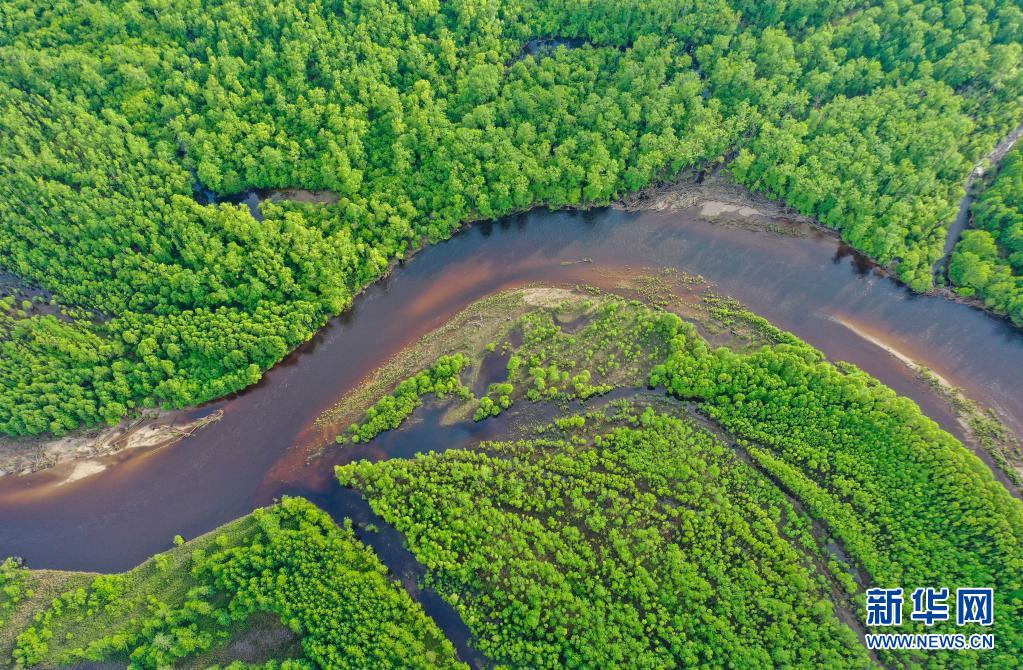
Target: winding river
[808, 284]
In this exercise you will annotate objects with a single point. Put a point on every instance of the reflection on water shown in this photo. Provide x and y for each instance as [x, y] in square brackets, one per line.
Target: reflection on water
[114, 519]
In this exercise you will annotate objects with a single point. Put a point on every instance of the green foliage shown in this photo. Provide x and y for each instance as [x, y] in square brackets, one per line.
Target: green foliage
[289, 664]
[293, 562]
[903, 501]
[878, 168]
[911, 506]
[644, 545]
[871, 115]
[497, 399]
[106, 595]
[410, 115]
[330, 589]
[988, 261]
[626, 538]
[615, 347]
[390, 411]
[13, 587]
[418, 118]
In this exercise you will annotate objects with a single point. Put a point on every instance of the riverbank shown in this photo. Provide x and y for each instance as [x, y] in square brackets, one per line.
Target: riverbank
[568, 329]
[726, 203]
[884, 439]
[489, 320]
[489, 324]
[713, 196]
[488, 332]
[984, 432]
[164, 576]
[715, 193]
[83, 453]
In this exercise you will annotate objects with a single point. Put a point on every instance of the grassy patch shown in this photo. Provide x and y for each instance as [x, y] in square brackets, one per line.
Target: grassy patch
[77, 610]
[569, 346]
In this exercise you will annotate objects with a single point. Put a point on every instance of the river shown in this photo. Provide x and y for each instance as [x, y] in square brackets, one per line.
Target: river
[811, 285]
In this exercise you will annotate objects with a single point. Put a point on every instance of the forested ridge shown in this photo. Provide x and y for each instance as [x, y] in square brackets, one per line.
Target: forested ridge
[988, 260]
[421, 116]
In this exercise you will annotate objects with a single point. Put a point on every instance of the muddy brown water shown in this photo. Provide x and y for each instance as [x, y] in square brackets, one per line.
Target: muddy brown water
[809, 285]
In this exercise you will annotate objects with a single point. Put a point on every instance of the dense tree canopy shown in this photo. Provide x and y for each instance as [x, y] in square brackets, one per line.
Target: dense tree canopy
[290, 560]
[596, 513]
[644, 545]
[910, 505]
[421, 116]
[988, 261]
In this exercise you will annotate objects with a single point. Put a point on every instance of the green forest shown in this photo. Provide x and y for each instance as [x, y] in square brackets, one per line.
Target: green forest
[988, 260]
[421, 116]
[640, 544]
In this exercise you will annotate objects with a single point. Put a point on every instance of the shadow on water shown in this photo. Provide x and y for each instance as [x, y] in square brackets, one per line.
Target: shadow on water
[253, 198]
[547, 46]
[861, 263]
[493, 369]
[573, 324]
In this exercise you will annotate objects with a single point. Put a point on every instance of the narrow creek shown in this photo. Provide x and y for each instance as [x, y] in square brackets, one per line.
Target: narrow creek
[423, 432]
[986, 165]
[821, 534]
[804, 282]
